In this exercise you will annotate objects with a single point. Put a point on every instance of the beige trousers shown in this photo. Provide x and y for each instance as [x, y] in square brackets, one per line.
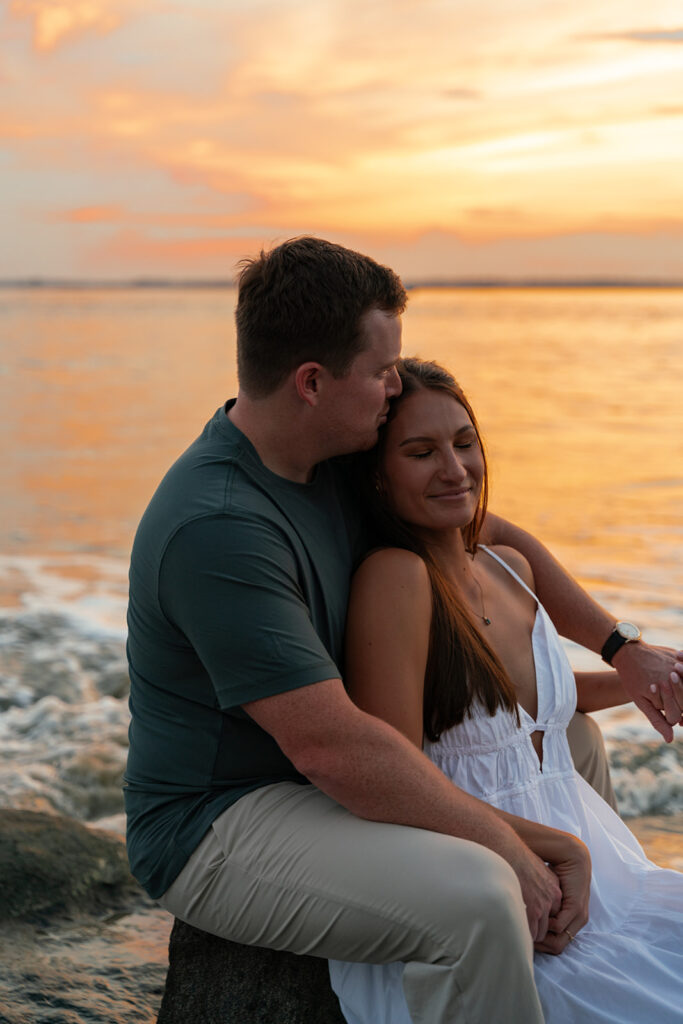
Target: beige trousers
[589, 755]
[288, 868]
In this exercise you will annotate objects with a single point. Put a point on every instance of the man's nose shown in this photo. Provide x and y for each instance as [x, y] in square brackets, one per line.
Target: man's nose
[393, 386]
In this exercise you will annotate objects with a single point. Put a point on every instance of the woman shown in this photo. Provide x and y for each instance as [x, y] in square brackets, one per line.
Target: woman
[448, 643]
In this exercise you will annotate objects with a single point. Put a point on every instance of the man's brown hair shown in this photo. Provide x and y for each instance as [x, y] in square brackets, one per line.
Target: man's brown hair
[304, 300]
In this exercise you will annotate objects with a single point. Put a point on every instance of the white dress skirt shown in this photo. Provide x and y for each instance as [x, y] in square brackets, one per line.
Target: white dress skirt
[626, 964]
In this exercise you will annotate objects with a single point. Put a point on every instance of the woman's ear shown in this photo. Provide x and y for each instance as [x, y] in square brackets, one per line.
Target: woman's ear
[307, 382]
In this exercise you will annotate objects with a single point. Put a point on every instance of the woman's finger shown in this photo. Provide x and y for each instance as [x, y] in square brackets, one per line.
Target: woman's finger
[556, 942]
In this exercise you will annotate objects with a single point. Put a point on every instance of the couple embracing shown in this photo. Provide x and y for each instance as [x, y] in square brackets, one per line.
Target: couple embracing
[394, 791]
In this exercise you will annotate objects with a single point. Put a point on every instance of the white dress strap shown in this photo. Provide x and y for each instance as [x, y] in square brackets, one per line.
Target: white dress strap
[508, 568]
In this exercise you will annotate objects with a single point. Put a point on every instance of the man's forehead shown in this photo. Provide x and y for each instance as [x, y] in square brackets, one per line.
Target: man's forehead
[382, 331]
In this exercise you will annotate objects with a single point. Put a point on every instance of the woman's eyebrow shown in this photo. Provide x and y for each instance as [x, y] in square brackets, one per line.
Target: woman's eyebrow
[411, 440]
[465, 429]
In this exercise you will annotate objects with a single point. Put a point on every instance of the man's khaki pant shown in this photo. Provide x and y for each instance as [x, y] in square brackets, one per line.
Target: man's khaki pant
[589, 756]
[288, 868]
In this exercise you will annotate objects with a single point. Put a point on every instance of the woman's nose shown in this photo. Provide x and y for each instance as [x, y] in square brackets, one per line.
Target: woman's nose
[452, 467]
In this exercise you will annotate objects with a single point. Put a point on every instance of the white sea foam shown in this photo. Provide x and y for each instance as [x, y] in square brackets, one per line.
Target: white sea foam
[91, 590]
[64, 720]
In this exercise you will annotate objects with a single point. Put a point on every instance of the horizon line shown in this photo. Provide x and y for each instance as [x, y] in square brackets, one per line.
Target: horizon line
[492, 281]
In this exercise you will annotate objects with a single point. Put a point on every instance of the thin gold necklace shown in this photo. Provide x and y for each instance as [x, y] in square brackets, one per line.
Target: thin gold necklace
[484, 617]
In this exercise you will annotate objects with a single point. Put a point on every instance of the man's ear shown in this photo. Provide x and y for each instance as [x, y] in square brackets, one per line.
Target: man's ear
[307, 382]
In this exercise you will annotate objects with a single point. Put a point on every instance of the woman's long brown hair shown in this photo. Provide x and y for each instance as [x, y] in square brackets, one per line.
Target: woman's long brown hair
[462, 668]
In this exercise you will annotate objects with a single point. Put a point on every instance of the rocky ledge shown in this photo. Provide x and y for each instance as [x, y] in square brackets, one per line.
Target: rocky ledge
[54, 866]
[58, 873]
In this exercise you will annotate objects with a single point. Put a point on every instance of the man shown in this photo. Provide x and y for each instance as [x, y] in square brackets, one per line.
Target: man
[263, 805]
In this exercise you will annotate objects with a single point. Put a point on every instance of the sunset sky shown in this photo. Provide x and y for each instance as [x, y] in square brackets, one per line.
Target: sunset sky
[449, 138]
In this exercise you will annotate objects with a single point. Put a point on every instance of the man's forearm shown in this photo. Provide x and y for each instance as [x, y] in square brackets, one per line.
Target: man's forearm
[373, 770]
[550, 844]
[380, 775]
[574, 612]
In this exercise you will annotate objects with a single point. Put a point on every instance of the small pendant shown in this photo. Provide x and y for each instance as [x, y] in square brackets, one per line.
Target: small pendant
[487, 621]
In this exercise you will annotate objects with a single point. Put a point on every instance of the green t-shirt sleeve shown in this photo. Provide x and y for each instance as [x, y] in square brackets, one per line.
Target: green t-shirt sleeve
[231, 586]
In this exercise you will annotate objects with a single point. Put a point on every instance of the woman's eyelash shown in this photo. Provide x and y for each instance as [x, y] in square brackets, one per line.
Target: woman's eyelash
[425, 454]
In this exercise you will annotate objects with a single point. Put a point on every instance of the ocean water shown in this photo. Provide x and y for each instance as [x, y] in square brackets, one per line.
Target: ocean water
[579, 396]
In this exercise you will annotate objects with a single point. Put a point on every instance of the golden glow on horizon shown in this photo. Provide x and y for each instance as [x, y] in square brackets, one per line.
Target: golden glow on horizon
[160, 135]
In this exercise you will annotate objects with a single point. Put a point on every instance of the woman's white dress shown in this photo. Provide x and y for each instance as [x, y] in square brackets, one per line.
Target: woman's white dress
[626, 964]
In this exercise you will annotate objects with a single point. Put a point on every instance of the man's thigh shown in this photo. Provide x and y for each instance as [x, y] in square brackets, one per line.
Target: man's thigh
[589, 755]
[288, 868]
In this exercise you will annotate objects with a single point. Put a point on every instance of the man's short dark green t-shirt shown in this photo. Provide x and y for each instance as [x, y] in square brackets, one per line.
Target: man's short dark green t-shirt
[238, 590]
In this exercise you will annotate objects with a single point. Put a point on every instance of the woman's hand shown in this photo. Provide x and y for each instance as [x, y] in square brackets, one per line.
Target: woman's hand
[573, 871]
[652, 676]
[541, 891]
[567, 860]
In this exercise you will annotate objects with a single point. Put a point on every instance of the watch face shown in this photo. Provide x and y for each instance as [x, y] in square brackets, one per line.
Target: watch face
[627, 630]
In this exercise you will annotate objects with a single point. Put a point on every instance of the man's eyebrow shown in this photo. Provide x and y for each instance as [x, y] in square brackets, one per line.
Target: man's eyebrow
[466, 428]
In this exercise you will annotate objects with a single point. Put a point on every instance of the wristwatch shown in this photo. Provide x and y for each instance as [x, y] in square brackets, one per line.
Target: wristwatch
[623, 633]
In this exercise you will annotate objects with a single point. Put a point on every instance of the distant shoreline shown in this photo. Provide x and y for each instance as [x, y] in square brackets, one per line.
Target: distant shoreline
[69, 284]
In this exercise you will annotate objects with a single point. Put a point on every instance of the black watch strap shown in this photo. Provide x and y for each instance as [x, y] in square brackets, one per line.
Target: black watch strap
[616, 640]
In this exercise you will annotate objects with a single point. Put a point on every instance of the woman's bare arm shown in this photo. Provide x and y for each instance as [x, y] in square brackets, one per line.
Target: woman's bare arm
[387, 639]
[577, 616]
[598, 690]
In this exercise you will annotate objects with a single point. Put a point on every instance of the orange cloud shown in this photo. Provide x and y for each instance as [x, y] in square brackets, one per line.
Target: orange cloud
[13, 129]
[90, 215]
[116, 214]
[135, 250]
[54, 21]
[378, 119]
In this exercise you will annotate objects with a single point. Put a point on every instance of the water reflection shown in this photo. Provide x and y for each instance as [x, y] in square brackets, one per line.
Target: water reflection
[578, 392]
[106, 389]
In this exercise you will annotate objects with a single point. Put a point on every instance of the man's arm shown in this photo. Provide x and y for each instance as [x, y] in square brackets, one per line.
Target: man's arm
[577, 616]
[378, 774]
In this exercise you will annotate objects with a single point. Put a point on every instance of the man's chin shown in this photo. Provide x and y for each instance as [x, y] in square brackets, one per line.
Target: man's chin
[369, 442]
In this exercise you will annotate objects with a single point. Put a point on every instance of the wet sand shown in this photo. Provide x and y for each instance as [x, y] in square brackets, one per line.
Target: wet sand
[661, 837]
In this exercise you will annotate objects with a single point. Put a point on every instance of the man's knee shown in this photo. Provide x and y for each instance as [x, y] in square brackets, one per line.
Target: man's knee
[480, 899]
[499, 901]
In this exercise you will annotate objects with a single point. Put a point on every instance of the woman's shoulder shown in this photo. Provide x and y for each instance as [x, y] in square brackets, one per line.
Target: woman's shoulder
[517, 562]
[395, 566]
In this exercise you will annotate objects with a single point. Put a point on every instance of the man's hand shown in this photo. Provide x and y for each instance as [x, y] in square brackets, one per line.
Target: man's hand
[574, 875]
[653, 678]
[541, 891]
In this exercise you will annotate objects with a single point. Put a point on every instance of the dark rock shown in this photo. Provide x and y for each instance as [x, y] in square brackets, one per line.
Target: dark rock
[53, 865]
[214, 981]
